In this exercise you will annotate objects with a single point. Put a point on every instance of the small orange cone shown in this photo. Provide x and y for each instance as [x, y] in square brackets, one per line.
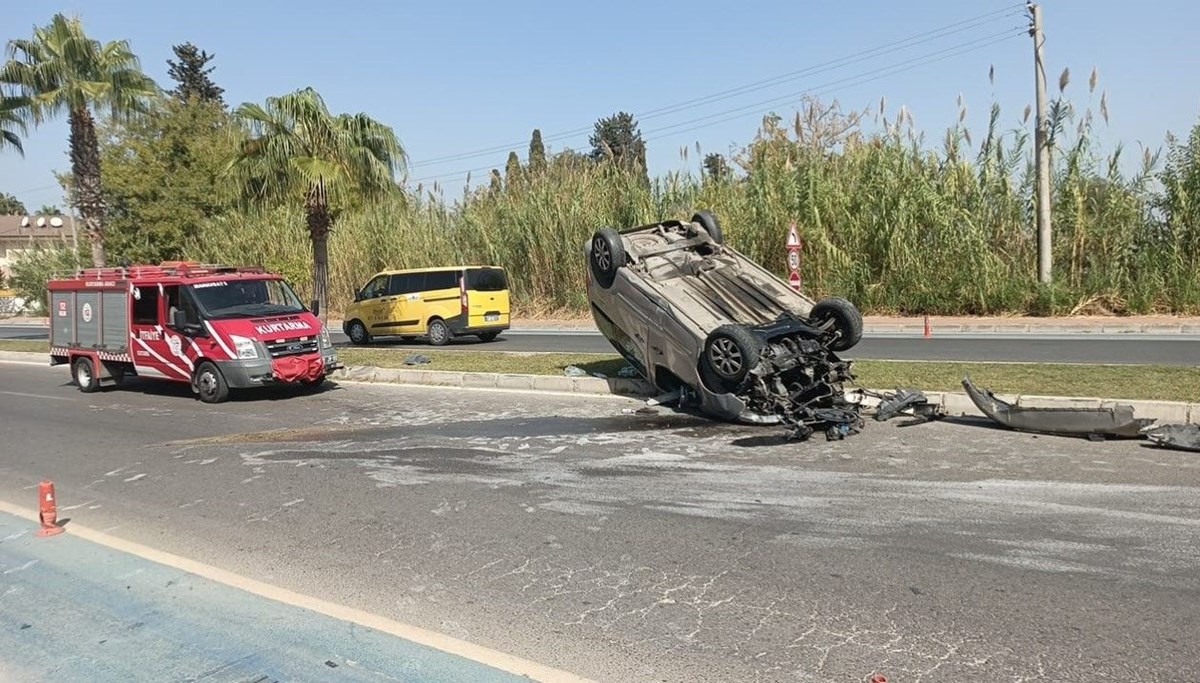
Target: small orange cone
[879, 678]
[48, 510]
[928, 329]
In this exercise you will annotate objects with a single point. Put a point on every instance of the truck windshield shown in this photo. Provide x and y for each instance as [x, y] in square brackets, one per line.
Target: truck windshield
[245, 298]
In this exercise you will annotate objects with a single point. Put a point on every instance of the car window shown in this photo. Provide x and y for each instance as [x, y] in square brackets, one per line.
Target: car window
[375, 288]
[441, 279]
[145, 305]
[406, 283]
[486, 279]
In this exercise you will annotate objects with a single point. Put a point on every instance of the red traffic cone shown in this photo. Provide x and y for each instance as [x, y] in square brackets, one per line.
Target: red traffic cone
[928, 330]
[48, 510]
[879, 678]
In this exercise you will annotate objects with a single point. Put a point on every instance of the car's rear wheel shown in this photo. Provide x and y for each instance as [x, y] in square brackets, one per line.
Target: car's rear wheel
[358, 334]
[606, 256]
[730, 353]
[711, 225]
[84, 374]
[844, 319]
[439, 332]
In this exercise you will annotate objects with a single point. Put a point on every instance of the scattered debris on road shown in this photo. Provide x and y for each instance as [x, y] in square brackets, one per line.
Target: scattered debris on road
[1179, 437]
[574, 371]
[1098, 423]
[417, 359]
[908, 402]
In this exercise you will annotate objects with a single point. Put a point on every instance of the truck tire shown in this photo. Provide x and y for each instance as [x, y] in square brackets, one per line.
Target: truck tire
[83, 372]
[358, 333]
[710, 224]
[210, 383]
[730, 353]
[847, 328]
[606, 256]
[439, 332]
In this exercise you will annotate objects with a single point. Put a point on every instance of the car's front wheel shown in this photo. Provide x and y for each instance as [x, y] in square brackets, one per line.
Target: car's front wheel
[358, 334]
[606, 255]
[730, 353]
[844, 321]
[210, 383]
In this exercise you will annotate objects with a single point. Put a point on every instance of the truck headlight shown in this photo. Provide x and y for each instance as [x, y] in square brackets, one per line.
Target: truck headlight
[325, 341]
[244, 347]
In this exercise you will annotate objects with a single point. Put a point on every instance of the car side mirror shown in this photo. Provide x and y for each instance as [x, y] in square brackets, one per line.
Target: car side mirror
[316, 307]
[179, 320]
[358, 296]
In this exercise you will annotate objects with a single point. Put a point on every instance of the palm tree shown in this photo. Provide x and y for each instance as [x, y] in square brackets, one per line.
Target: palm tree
[62, 70]
[10, 123]
[297, 151]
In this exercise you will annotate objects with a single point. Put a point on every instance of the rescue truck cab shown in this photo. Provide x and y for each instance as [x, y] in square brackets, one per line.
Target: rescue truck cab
[214, 327]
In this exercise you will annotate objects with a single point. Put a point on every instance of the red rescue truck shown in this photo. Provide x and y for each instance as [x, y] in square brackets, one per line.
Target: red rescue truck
[215, 327]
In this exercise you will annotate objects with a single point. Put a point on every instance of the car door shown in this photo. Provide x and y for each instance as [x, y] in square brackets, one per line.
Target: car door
[374, 309]
[404, 302]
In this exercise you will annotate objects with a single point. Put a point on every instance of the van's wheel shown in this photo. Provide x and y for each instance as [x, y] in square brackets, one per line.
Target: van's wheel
[488, 336]
[730, 353]
[847, 324]
[210, 383]
[711, 225]
[83, 371]
[439, 332]
[358, 333]
[606, 256]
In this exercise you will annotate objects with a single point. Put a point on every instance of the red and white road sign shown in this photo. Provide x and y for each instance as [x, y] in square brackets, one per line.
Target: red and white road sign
[793, 238]
[794, 259]
[794, 280]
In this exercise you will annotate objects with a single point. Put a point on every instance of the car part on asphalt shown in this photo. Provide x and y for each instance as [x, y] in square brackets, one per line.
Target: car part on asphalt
[1179, 437]
[1115, 420]
[909, 402]
[417, 359]
[693, 315]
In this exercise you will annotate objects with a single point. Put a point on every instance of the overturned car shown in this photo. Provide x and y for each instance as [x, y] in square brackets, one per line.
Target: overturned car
[700, 320]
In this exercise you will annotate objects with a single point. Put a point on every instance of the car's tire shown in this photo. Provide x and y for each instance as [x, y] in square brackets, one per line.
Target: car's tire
[358, 334]
[710, 223]
[83, 373]
[606, 255]
[439, 332]
[730, 353]
[210, 383]
[488, 336]
[846, 318]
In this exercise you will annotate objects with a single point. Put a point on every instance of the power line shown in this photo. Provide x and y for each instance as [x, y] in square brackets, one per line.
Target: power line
[903, 43]
[858, 79]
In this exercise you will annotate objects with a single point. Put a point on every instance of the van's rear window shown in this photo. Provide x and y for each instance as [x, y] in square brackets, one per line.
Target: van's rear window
[486, 279]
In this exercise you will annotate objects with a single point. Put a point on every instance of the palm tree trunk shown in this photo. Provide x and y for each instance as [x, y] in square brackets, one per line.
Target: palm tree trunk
[85, 166]
[319, 224]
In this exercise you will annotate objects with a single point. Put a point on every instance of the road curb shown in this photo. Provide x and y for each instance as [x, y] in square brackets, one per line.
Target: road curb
[954, 403]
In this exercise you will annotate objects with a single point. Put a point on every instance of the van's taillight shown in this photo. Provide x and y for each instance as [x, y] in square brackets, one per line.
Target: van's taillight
[463, 289]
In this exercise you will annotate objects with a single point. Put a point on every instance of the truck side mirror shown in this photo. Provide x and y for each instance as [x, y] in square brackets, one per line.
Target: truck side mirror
[179, 320]
[316, 307]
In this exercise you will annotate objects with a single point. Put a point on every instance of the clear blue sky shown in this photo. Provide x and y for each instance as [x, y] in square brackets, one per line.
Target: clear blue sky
[457, 77]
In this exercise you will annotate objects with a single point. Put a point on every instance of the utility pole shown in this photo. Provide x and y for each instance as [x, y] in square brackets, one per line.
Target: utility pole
[1042, 143]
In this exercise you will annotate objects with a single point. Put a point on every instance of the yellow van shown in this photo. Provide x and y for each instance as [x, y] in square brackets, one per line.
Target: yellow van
[440, 303]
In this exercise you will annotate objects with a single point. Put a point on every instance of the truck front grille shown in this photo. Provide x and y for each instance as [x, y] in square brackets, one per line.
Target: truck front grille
[292, 347]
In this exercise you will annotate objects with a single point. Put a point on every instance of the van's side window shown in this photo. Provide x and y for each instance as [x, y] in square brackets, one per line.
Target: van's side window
[442, 279]
[405, 284]
[376, 288]
[145, 307]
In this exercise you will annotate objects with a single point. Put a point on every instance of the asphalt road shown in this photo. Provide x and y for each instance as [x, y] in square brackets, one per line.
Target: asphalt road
[630, 547]
[1122, 349]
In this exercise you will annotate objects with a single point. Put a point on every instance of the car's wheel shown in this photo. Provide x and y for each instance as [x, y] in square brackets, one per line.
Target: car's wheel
[846, 326]
[730, 353]
[439, 332]
[488, 336]
[358, 333]
[210, 383]
[711, 225]
[606, 256]
[84, 374]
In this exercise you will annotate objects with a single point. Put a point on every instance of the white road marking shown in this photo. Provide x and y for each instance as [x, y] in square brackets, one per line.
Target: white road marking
[432, 639]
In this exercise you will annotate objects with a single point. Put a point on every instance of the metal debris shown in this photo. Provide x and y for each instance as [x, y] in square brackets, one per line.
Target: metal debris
[1179, 437]
[417, 359]
[1116, 420]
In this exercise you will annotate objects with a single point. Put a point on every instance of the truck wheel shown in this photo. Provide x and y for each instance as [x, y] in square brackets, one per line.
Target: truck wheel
[730, 353]
[358, 334]
[210, 384]
[84, 373]
[606, 256]
[710, 224]
[439, 332]
[847, 323]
